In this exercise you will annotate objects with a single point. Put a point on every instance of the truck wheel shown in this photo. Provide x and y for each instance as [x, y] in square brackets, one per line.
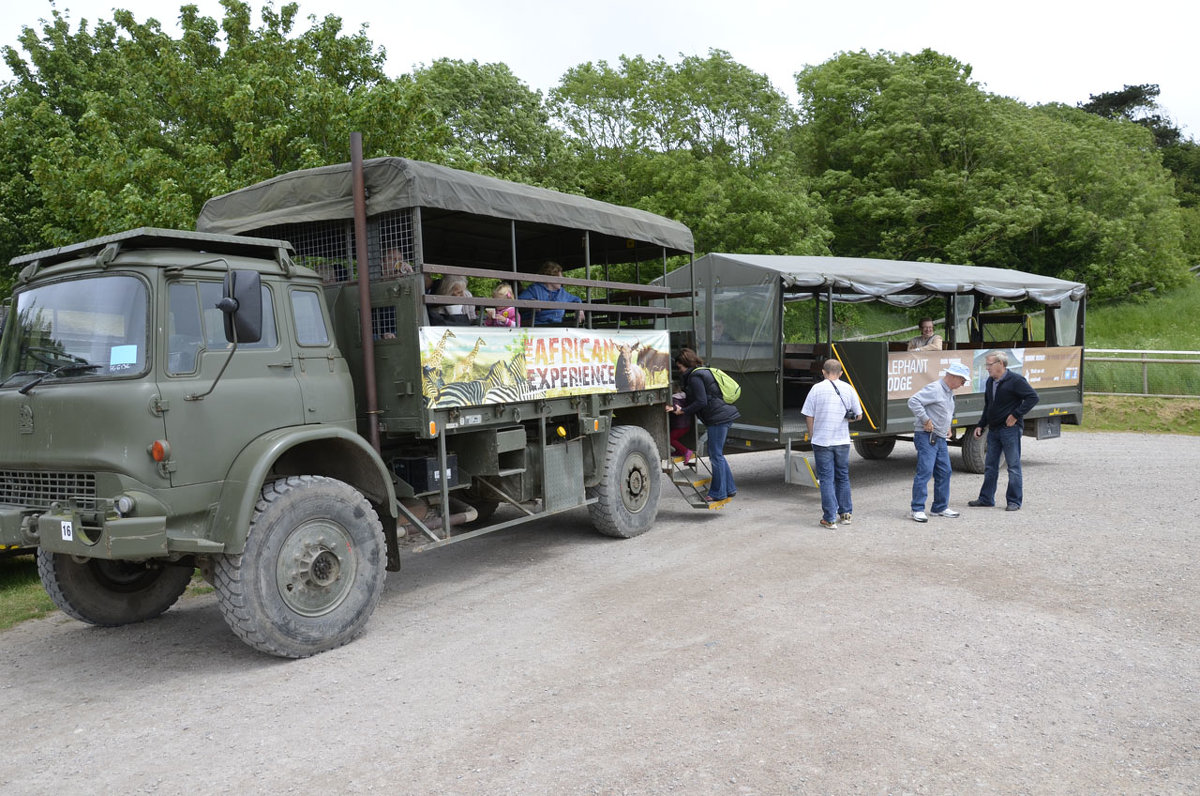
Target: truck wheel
[627, 495]
[111, 593]
[311, 573]
[876, 448]
[974, 451]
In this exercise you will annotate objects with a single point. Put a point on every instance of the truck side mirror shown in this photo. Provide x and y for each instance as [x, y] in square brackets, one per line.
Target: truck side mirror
[241, 303]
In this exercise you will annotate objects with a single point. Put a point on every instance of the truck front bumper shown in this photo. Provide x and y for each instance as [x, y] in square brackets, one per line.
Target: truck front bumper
[18, 527]
[86, 534]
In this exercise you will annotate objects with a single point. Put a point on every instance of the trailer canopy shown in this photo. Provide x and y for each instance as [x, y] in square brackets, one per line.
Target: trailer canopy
[893, 281]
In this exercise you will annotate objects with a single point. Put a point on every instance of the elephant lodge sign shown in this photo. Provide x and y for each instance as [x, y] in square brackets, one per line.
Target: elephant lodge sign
[909, 371]
[475, 366]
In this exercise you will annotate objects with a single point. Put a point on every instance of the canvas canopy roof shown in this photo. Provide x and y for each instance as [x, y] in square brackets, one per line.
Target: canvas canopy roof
[324, 193]
[893, 281]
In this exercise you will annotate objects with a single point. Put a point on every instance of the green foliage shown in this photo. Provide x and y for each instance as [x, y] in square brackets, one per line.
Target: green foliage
[705, 141]
[115, 124]
[122, 126]
[1136, 104]
[917, 162]
[1162, 322]
[497, 123]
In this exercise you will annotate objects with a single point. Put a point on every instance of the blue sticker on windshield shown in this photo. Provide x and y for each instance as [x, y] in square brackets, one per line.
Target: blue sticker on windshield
[123, 356]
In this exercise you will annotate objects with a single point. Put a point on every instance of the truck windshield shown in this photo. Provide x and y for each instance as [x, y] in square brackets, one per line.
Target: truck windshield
[85, 328]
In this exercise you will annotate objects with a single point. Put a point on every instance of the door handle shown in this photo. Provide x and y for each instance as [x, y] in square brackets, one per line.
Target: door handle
[280, 365]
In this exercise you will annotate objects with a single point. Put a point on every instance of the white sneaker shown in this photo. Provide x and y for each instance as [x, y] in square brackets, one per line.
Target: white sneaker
[947, 513]
[919, 516]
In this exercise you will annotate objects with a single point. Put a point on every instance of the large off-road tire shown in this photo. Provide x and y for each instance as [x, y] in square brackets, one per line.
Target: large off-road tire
[111, 593]
[630, 485]
[875, 448]
[312, 571]
[974, 451]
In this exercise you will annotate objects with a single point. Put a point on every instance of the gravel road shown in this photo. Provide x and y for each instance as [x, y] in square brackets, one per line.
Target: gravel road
[1053, 650]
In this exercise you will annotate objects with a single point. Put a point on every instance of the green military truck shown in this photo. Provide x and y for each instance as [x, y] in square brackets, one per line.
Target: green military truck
[275, 400]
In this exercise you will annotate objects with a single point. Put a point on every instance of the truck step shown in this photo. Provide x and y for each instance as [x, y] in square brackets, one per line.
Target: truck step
[701, 503]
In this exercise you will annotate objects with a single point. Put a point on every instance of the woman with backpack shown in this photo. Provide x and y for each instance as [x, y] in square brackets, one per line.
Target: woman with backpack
[705, 402]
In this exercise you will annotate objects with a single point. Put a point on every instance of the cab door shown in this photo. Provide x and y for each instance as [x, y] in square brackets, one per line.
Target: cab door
[209, 420]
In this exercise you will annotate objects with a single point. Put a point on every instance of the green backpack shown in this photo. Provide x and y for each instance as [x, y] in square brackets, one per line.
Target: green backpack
[730, 389]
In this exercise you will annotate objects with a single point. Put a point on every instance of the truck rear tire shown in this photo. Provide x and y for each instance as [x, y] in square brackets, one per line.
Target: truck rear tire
[876, 448]
[630, 485]
[974, 451]
[312, 571]
[111, 593]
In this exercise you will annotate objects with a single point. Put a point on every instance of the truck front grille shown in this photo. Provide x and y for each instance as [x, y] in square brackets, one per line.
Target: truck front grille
[35, 489]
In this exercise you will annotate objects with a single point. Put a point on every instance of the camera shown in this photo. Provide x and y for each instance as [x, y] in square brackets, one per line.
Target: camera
[850, 414]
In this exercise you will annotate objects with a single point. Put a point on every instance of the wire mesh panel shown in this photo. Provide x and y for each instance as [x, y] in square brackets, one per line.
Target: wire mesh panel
[397, 245]
[327, 247]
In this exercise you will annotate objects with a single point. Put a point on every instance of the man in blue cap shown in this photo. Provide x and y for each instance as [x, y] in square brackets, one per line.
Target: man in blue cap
[933, 410]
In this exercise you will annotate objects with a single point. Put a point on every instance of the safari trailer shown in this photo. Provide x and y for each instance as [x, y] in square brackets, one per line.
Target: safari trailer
[739, 326]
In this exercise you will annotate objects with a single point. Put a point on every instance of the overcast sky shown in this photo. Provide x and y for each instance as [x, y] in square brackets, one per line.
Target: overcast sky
[1036, 51]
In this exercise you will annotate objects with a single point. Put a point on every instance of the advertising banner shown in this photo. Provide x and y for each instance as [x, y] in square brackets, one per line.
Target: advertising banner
[909, 371]
[476, 366]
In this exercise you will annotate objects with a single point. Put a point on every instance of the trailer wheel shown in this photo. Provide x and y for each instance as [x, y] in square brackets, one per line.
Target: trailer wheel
[875, 448]
[630, 485]
[312, 571]
[111, 593]
[974, 451]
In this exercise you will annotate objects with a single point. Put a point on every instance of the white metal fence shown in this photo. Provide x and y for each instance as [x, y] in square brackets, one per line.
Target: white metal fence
[1119, 371]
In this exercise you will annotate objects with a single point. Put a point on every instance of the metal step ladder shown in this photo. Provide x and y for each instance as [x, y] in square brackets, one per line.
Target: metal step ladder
[692, 482]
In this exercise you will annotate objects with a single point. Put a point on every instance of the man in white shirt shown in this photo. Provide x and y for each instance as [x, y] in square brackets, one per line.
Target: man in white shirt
[828, 410]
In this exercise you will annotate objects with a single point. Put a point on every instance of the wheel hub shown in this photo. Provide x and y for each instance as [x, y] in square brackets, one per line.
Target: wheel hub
[316, 568]
[636, 493]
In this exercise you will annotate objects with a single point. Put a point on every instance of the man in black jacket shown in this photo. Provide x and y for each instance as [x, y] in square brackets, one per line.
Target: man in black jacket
[1007, 399]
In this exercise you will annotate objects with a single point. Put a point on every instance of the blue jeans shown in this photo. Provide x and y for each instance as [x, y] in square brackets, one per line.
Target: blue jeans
[833, 471]
[1006, 440]
[932, 460]
[722, 485]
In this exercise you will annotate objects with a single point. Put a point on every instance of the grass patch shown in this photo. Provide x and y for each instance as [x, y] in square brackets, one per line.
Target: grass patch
[1145, 415]
[1150, 325]
[21, 594]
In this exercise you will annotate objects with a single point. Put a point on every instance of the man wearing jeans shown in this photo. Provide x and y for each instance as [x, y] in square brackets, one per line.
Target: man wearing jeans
[828, 410]
[933, 410]
[1007, 398]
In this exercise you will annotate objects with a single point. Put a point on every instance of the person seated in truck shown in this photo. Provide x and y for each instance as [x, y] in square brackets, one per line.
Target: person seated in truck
[394, 264]
[927, 340]
[549, 291]
[452, 314]
[502, 316]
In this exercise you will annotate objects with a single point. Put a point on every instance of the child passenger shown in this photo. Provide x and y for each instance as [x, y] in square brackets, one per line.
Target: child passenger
[502, 316]
[680, 426]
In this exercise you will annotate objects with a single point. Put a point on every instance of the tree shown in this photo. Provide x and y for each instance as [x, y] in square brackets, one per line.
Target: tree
[916, 161]
[705, 141]
[497, 123]
[1137, 104]
[122, 126]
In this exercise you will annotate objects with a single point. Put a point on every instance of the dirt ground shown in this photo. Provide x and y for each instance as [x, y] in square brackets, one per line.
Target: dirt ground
[748, 651]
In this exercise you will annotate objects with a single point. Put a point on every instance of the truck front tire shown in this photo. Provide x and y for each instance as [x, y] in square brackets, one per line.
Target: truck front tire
[111, 593]
[630, 486]
[312, 571]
